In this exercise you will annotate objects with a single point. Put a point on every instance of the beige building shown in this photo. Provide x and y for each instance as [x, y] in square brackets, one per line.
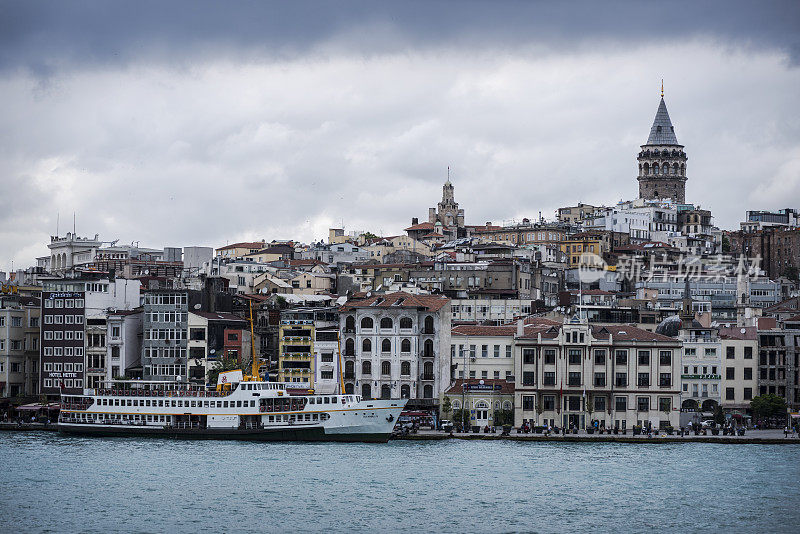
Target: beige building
[574, 374]
[238, 250]
[388, 245]
[19, 345]
[739, 374]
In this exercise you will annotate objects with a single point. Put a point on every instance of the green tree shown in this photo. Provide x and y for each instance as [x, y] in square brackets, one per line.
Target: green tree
[369, 235]
[503, 417]
[719, 417]
[461, 418]
[769, 405]
[726, 244]
[447, 406]
[220, 366]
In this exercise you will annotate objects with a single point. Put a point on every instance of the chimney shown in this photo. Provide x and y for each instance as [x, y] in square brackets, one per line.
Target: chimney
[520, 327]
[414, 220]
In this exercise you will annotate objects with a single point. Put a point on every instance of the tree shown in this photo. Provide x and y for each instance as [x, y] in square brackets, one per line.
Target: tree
[539, 409]
[369, 235]
[726, 244]
[769, 405]
[225, 364]
[447, 406]
[461, 418]
[719, 417]
[503, 417]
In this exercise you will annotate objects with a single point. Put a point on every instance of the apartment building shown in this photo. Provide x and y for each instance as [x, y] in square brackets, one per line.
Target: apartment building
[19, 345]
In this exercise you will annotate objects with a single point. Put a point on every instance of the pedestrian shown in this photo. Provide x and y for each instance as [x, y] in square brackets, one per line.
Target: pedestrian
[786, 432]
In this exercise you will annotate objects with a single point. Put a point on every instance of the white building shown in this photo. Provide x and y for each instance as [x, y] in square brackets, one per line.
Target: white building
[397, 345]
[123, 342]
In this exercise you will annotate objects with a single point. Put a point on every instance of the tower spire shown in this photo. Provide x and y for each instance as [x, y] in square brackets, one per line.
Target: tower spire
[662, 87]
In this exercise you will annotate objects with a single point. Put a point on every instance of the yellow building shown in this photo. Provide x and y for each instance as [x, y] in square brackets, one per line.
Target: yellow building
[296, 347]
[582, 251]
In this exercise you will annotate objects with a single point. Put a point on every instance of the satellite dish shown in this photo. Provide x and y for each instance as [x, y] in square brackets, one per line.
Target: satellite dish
[197, 306]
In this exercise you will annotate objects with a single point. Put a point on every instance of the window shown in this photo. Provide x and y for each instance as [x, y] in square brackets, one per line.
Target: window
[643, 404]
[405, 346]
[665, 357]
[572, 403]
[730, 373]
[644, 357]
[748, 373]
[748, 353]
[529, 378]
[574, 379]
[528, 356]
[386, 323]
[528, 403]
[366, 368]
[386, 368]
[508, 351]
[664, 404]
[550, 356]
[711, 352]
[405, 368]
[621, 404]
[643, 380]
[549, 378]
[599, 357]
[327, 357]
[366, 346]
[574, 356]
[748, 393]
[484, 351]
[549, 402]
[599, 403]
[730, 352]
[367, 323]
[621, 379]
[729, 394]
[600, 379]
[622, 357]
[496, 352]
[665, 380]
[386, 346]
[405, 323]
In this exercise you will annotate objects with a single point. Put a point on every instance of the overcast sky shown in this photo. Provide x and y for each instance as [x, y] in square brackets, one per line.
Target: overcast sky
[203, 123]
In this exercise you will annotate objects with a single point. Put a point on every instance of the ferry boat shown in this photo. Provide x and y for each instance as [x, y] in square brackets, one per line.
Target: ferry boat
[237, 409]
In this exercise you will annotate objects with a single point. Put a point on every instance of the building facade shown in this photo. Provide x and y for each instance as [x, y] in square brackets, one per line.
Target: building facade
[165, 335]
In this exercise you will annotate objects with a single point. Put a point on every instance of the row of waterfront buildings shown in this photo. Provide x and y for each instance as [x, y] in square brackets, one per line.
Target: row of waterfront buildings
[640, 312]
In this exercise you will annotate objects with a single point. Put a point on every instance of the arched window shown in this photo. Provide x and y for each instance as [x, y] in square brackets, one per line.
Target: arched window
[386, 345]
[367, 322]
[386, 368]
[366, 368]
[366, 346]
[675, 168]
[350, 324]
[350, 369]
[427, 351]
[646, 168]
[428, 325]
[350, 347]
[427, 392]
[405, 368]
[386, 322]
[405, 391]
[428, 370]
[405, 345]
[366, 391]
[405, 323]
[386, 392]
[456, 404]
[655, 168]
[507, 405]
[683, 169]
[482, 405]
[349, 389]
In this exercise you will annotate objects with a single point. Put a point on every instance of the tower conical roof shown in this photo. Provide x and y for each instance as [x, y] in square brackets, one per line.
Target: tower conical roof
[662, 132]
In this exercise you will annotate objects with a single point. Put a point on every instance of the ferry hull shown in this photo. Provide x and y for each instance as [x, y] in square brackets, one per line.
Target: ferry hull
[276, 434]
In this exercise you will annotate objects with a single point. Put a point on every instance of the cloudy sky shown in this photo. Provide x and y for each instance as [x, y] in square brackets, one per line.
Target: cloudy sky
[202, 123]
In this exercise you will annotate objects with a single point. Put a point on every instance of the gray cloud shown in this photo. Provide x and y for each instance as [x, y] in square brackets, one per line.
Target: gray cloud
[176, 125]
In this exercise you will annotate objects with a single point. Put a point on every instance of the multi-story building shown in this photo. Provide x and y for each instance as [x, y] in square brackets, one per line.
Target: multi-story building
[19, 345]
[165, 334]
[71, 309]
[397, 345]
[662, 161]
[305, 351]
[214, 336]
[779, 359]
[482, 352]
[124, 344]
[758, 220]
[238, 250]
[739, 379]
[489, 311]
[575, 215]
[701, 377]
[574, 373]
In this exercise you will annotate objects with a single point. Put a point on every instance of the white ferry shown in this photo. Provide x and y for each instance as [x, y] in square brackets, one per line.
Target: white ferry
[238, 409]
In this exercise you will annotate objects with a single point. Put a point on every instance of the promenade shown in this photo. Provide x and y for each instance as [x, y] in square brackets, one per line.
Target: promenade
[751, 436]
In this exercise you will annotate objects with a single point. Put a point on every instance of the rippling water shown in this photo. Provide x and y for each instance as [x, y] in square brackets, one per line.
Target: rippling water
[50, 483]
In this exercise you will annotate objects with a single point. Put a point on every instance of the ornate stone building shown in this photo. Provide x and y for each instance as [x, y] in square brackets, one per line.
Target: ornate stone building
[662, 161]
[447, 213]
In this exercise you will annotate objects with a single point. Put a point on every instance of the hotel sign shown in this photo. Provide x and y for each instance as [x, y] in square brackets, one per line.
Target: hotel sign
[701, 377]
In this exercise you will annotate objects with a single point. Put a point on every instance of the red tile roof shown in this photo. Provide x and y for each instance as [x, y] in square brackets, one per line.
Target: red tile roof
[738, 332]
[421, 226]
[400, 299]
[620, 332]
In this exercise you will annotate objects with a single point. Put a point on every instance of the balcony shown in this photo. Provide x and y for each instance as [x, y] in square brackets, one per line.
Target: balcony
[426, 377]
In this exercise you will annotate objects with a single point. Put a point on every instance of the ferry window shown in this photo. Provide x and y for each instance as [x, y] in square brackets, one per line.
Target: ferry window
[334, 400]
[129, 402]
[174, 404]
[219, 404]
[327, 400]
[316, 417]
[311, 400]
[225, 405]
[252, 404]
[161, 403]
[271, 418]
[238, 404]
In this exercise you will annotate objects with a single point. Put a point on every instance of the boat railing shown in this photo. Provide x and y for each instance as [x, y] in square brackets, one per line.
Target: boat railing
[161, 393]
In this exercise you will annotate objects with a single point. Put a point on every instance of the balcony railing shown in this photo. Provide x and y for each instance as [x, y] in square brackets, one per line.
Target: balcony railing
[426, 377]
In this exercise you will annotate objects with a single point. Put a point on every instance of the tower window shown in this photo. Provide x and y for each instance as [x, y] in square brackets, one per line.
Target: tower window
[658, 129]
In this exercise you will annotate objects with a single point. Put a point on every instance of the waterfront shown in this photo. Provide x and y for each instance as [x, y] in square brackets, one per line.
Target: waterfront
[58, 484]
